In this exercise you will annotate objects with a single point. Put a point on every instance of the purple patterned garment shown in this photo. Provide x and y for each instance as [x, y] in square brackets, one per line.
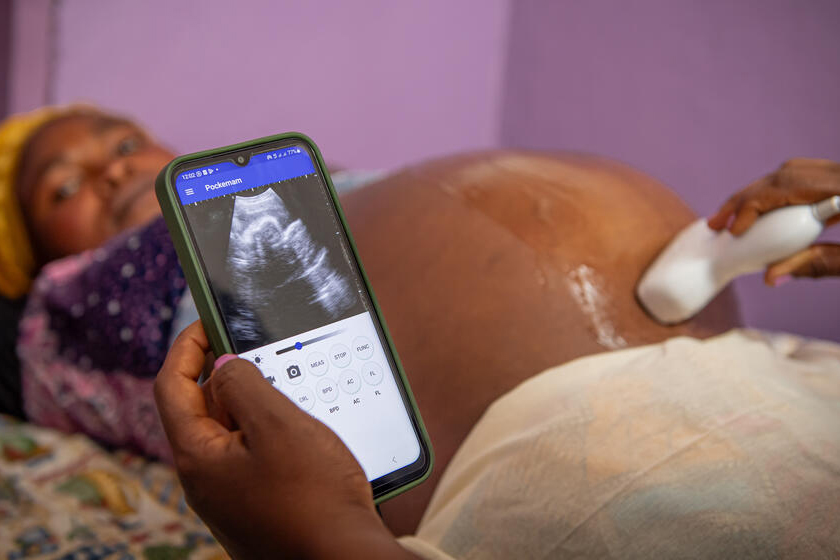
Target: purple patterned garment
[116, 314]
[94, 335]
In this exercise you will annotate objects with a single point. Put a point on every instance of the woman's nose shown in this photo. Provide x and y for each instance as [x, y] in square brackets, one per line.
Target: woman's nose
[114, 175]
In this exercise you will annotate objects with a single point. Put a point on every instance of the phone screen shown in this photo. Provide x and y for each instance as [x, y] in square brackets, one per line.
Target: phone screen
[293, 300]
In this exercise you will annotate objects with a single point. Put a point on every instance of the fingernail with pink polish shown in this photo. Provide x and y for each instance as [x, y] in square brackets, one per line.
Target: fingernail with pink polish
[782, 280]
[223, 359]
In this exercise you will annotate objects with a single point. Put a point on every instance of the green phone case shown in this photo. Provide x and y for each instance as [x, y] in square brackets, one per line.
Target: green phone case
[200, 288]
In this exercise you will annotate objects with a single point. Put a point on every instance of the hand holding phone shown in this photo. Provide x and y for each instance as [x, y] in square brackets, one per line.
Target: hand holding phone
[277, 281]
[274, 482]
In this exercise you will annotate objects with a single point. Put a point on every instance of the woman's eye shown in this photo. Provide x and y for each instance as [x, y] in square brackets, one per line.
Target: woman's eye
[128, 146]
[67, 189]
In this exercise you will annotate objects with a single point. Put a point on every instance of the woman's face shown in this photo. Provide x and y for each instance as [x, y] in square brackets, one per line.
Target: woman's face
[85, 178]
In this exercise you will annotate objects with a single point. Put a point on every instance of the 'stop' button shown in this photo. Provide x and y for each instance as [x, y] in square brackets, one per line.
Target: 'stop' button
[340, 355]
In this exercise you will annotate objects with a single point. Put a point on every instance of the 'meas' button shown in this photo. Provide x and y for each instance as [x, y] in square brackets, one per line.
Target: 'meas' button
[317, 363]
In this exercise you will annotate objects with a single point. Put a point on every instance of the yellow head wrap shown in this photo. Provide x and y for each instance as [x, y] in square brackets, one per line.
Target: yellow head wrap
[17, 261]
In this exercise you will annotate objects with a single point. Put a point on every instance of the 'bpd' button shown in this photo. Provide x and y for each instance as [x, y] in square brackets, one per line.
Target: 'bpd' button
[363, 347]
[327, 389]
[340, 355]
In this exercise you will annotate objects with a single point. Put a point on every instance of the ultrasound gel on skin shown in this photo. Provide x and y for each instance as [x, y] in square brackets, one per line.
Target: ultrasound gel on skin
[700, 262]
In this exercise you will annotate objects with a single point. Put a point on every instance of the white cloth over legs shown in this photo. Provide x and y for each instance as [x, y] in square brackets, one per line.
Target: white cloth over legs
[724, 448]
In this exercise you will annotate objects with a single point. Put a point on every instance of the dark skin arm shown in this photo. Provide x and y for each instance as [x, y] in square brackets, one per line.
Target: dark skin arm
[797, 181]
[269, 480]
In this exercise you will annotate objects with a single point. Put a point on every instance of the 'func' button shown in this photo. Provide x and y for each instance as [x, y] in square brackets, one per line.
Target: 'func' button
[363, 347]
[326, 389]
[340, 355]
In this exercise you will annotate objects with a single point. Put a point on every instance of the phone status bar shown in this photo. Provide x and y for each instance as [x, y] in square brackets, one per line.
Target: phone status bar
[230, 166]
[225, 177]
[195, 173]
[285, 152]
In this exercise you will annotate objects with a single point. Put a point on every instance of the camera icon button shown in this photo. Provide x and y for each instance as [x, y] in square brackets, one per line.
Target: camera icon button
[293, 373]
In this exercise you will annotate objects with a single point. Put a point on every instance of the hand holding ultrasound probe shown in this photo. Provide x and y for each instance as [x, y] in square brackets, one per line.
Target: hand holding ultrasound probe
[797, 181]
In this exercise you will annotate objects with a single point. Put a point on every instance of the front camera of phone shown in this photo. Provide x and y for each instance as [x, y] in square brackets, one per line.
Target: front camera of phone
[240, 160]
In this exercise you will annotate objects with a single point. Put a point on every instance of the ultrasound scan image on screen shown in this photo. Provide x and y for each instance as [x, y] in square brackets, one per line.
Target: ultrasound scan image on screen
[282, 280]
[275, 260]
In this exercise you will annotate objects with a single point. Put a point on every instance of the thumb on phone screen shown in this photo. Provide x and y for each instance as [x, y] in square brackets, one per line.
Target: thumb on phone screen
[263, 474]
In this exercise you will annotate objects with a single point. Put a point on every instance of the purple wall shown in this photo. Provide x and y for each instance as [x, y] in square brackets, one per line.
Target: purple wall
[5, 52]
[375, 83]
[705, 95]
[29, 66]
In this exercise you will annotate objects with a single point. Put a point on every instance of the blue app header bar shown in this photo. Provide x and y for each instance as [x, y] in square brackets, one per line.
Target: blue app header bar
[226, 177]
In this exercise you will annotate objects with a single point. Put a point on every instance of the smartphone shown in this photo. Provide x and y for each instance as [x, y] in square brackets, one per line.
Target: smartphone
[277, 280]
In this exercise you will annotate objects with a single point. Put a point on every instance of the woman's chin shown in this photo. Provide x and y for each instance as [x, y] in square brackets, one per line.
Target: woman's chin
[143, 211]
